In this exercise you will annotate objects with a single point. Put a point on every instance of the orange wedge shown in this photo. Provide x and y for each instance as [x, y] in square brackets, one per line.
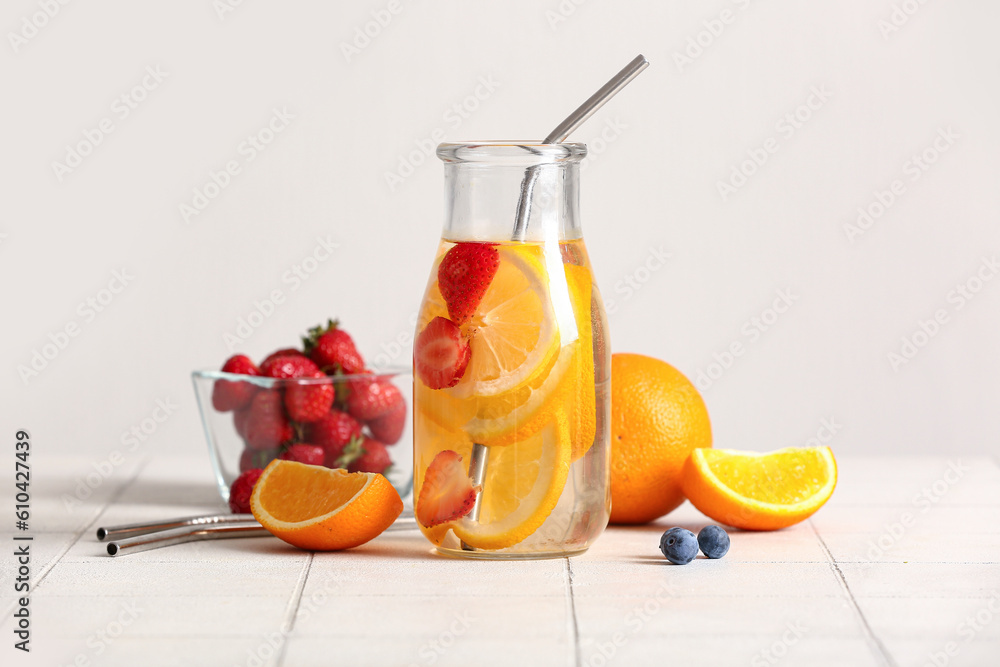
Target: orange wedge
[316, 508]
[759, 491]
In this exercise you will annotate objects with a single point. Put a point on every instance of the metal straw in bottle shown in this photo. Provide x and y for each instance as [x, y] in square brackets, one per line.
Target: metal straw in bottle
[480, 453]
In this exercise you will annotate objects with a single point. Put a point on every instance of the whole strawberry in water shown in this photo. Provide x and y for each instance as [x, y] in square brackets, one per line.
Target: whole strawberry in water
[309, 402]
[304, 453]
[464, 275]
[288, 366]
[389, 427]
[240, 490]
[374, 458]
[371, 398]
[230, 395]
[333, 349]
[267, 426]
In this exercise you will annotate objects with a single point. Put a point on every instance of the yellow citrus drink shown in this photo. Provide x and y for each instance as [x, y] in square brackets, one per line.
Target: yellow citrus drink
[511, 359]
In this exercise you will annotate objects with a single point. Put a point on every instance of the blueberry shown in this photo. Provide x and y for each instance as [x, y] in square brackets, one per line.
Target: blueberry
[714, 541]
[679, 546]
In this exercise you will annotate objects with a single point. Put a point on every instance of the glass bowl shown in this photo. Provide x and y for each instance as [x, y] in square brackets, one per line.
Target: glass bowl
[231, 452]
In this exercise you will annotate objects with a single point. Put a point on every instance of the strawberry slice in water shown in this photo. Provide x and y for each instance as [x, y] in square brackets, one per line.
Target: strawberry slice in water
[447, 493]
[464, 275]
[441, 354]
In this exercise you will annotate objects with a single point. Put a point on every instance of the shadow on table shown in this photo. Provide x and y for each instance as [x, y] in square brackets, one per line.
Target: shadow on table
[406, 545]
[195, 494]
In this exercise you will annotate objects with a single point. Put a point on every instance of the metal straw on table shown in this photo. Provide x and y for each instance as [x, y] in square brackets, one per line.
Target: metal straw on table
[135, 537]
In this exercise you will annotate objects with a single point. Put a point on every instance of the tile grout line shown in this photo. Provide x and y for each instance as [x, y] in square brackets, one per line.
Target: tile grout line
[57, 558]
[288, 624]
[574, 627]
[90, 525]
[874, 642]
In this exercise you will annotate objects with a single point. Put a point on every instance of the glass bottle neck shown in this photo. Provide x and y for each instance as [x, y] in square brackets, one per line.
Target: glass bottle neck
[485, 200]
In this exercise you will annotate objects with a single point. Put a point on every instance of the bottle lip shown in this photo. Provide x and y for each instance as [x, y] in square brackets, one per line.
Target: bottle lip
[524, 153]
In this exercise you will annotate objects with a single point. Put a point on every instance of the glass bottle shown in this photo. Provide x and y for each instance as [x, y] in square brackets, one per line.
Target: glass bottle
[511, 362]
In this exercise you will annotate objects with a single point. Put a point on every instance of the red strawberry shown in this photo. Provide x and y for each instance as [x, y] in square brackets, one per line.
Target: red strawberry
[464, 275]
[441, 354]
[304, 453]
[266, 426]
[333, 349]
[239, 492]
[283, 352]
[228, 395]
[240, 421]
[334, 456]
[309, 402]
[370, 398]
[343, 456]
[374, 458]
[256, 458]
[288, 366]
[447, 492]
[389, 427]
[333, 431]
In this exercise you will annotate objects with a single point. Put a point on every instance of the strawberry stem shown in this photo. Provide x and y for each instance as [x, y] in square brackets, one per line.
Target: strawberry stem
[352, 452]
[313, 334]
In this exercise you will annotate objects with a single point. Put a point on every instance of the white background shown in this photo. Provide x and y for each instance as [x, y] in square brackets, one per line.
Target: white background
[682, 127]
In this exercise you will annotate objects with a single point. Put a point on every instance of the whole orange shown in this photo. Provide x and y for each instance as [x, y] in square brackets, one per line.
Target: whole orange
[657, 418]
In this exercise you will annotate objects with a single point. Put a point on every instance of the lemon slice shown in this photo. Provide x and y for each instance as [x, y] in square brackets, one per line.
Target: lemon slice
[515, 337]
[522, 486]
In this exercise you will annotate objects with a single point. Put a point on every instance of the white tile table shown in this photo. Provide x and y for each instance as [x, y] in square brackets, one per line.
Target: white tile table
[901, 568]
